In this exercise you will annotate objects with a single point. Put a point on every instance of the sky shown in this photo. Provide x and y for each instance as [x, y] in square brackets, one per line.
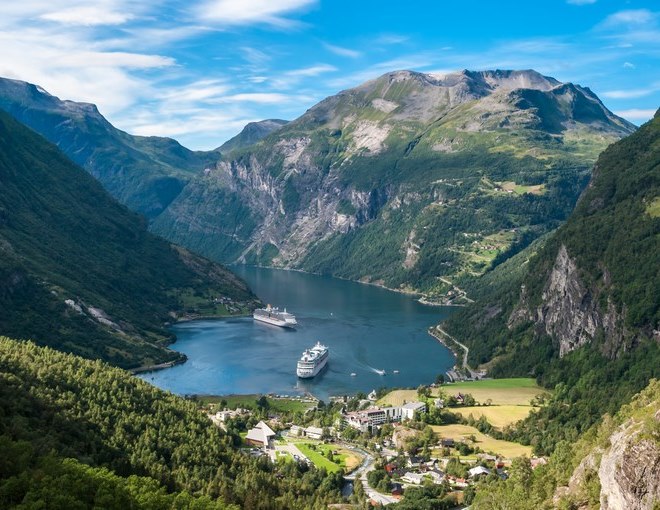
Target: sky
[199, 70]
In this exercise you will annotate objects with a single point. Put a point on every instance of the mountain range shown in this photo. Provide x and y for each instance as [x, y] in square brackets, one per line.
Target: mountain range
[143, 173]
[412, 181]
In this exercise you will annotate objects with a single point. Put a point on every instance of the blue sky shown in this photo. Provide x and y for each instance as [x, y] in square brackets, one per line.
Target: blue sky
[198, 70]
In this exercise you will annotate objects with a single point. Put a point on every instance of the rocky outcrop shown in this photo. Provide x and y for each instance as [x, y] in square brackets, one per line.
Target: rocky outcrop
[629, 470]
[570, 312]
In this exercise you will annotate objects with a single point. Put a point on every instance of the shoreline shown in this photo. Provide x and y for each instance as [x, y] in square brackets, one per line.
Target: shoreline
[422, 298]
[160, 366]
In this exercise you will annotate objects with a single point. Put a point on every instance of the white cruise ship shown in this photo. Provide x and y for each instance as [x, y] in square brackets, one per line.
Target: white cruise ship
[275, 317]
[312, 361]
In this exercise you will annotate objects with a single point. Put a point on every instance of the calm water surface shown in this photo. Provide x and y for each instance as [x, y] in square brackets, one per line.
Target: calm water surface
[366, 328]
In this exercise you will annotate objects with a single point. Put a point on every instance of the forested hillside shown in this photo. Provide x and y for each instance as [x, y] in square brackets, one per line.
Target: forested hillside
[80, 272]
[583, 313]
[114, 441]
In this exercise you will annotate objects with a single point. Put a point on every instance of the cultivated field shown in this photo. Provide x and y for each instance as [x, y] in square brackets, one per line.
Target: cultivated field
[506, 449]
[398, 398]
[512, 392]
[497, 416]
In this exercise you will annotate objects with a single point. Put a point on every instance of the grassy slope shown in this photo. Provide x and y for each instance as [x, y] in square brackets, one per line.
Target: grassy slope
[506, 449]
[63, 237]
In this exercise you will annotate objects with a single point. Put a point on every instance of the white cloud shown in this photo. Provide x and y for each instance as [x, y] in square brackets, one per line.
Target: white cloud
[628, 18]
[636, 114]
[247, 12]
[631, 93]
[88, 15]
[256, 97]
[341, 51]
[628, 65]
[311, 71]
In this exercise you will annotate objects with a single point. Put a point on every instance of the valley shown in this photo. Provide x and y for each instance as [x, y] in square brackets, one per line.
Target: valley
[520, 206]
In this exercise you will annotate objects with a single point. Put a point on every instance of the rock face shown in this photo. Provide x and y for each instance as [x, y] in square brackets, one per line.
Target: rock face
[629, 470]
[399, 179]
[620, 469]
[569, 312]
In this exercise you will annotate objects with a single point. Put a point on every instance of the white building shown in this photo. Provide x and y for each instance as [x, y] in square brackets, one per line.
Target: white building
[408, 410]
[478, 471]
[314, 432]
[260, 435]
[415, 478]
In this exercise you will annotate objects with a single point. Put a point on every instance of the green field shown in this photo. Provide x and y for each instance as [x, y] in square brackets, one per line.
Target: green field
[318, 459]
[506, 449]
[498, 416]
[278, 405]
[515, 391]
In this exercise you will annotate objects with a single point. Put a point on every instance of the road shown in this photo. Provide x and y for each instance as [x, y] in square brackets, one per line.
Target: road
[439, 331]
[361, 472]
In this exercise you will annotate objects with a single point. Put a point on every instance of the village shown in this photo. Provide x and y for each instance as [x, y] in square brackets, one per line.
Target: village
[389, 442]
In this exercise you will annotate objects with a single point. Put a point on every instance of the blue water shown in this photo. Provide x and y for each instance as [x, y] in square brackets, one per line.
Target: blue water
[366, 328]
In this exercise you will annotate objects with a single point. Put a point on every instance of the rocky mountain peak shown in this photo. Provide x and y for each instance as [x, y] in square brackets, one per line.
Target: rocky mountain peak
[252, 133]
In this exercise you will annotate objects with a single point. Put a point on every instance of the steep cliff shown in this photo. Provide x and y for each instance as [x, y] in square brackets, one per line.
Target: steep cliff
[402, 180]
[623, 459]
[615, 465]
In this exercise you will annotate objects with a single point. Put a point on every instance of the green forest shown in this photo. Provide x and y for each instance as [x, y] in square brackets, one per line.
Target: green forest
[112, 439]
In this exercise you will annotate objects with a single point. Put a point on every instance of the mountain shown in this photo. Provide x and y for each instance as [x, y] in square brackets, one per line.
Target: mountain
[580, 310]
[80, 272]
[414, 181]
[76, 433]
[143, 173]
[251, 134]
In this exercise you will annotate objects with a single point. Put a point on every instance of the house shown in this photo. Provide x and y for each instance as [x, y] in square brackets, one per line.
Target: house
[447, 442]
[408, 410]
[436, 475]
[260, 435]
[390, 468]
[372, 396]
[460, 399]
[314, 432]
[478, 471]
[439, 403]
[397, 489]
[296, 430]
[414, 478]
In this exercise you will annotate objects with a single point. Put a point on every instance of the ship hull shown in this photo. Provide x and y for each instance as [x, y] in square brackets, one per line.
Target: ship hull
[317, 369]
[273, 321]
